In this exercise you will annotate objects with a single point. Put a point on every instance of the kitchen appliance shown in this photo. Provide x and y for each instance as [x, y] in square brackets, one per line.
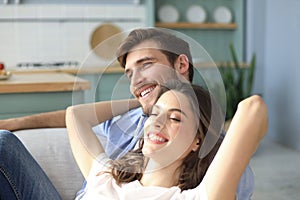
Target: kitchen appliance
[46, 65]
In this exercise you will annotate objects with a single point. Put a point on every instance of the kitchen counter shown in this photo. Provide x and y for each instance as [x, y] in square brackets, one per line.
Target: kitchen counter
[42, 82]
[32, 93]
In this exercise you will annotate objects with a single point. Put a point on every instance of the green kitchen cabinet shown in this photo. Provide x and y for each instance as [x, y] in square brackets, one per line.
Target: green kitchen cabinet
[107, 86]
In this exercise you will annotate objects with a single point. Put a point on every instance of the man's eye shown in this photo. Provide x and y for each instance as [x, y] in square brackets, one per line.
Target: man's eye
[146, 64]
[129, 75]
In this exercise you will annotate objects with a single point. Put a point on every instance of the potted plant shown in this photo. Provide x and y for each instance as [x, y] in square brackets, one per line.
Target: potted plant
[238, 82]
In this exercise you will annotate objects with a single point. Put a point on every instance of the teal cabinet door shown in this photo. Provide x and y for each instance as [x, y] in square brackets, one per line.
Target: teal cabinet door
[107, 86]
[21, 104]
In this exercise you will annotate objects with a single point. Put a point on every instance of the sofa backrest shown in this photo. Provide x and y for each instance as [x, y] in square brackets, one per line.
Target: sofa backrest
[51, 149]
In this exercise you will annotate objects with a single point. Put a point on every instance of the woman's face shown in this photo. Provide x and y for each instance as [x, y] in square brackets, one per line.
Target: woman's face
[170, 129]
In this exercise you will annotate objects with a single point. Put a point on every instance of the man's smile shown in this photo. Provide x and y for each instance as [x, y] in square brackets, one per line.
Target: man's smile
[145, 91]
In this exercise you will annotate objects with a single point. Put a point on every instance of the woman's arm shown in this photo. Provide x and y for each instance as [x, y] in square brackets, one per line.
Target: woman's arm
[81, 118]
[248, 127]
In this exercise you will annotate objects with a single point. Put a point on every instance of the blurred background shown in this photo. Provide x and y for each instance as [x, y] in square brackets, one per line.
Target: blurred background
[40, 36]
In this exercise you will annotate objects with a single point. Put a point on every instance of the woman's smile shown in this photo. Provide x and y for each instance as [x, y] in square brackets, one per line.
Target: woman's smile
[156, 138]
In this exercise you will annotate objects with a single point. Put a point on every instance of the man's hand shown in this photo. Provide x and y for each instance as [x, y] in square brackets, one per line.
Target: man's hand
[7, 124]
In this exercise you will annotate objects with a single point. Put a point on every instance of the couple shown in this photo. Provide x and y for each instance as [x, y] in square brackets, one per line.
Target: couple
[146, 68]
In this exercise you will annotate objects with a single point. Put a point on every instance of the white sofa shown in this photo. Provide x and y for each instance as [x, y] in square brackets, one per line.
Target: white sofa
[51, 148]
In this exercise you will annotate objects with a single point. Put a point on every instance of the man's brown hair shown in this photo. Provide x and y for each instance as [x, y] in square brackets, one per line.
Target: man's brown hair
[169, 44]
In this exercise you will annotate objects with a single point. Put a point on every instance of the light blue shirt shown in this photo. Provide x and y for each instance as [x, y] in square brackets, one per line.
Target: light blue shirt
[120, 134]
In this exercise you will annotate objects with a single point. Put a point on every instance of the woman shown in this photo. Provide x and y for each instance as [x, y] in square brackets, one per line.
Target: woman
[167, 165]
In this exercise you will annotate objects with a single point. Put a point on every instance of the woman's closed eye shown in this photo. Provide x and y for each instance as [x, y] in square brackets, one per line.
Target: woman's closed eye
[175, 117]
[153, 114]
[173, 114]
[154, 111]
[172, 118]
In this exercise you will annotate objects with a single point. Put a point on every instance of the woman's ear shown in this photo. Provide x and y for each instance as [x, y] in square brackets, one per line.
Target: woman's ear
[195, 145]
[182, 64]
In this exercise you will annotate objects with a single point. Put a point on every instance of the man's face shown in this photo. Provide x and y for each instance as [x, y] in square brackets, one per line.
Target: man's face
[147, 68]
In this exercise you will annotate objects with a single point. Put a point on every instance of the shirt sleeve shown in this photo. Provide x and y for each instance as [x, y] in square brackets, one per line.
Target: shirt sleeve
[197, 193]
[118, 135]
[100, 164]
[202, 191]
[246, 184]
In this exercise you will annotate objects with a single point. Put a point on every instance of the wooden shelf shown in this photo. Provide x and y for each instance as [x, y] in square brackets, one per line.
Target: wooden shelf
[187, 25]
[219, 64]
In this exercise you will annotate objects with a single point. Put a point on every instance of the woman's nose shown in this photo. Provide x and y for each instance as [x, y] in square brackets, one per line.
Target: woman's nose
[160, 121]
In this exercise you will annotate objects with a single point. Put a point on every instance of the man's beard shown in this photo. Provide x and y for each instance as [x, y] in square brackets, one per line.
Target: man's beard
[147, 108]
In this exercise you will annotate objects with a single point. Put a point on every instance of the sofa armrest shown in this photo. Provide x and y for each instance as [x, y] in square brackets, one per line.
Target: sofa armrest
[51, 149]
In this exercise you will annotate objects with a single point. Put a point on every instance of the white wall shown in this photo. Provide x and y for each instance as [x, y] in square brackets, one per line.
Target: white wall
[273, 33]
[255, 39]
[56, 33]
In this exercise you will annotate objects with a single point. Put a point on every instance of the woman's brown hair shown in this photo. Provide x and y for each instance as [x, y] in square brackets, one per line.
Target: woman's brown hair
[191, 172]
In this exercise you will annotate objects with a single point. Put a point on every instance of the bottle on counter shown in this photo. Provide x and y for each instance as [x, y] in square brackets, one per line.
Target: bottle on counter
[2, 69]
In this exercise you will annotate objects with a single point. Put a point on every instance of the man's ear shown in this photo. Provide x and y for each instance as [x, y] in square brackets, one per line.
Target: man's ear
[182, 64]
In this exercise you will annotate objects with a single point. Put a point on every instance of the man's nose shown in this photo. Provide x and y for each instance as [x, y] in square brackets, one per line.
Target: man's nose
[137, 78]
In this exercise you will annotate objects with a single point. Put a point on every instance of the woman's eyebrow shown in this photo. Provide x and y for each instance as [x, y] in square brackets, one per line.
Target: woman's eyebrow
[169, 110]
[177, 110]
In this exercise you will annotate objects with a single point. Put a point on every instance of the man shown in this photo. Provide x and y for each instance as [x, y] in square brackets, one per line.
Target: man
[150, 58]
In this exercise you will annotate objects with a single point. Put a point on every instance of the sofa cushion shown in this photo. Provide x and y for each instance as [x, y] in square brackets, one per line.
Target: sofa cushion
[51, 148]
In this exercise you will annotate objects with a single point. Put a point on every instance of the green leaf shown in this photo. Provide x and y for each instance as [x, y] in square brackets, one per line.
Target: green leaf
[238, 81]
[233, 55]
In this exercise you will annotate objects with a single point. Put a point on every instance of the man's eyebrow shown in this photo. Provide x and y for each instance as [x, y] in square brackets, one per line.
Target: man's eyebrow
[141, 60]
[127, 71]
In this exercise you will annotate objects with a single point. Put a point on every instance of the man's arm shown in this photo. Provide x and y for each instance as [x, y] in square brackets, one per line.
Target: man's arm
[55, 119]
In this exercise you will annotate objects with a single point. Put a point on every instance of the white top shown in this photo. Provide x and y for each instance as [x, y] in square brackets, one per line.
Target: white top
[104, 187]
